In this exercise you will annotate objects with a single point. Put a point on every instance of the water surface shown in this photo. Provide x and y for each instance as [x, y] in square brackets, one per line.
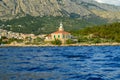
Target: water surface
[60, 63]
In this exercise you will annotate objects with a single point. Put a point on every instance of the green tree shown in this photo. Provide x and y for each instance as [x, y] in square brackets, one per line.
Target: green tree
[56, 42]
[0, 41]
[82, 39]
[108, 32]
[38, 39]
[69, 41]
[97, 40]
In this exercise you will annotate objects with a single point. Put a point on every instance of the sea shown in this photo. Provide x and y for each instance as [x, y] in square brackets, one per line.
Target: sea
[60, 63]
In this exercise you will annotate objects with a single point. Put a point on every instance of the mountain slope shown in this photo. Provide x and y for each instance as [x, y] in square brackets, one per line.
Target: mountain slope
[43, 16]
[10, 9]
[41, 25]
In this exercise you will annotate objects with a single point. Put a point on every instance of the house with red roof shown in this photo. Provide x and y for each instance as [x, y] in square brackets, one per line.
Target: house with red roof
[59, 34]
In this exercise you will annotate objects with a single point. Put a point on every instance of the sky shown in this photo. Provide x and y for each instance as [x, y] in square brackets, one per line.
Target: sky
[114, 2]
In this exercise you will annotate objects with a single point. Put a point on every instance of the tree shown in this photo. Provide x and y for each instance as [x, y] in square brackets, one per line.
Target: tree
[56, 42]
[97, 40]
[108, 32]
[38, 40]
[69, 41]
[0, 41]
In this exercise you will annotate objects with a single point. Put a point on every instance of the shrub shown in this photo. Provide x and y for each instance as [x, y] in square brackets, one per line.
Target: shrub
[56, 42]
[69, 41]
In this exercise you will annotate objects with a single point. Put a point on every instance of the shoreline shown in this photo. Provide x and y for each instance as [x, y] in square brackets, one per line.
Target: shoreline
[50, 45]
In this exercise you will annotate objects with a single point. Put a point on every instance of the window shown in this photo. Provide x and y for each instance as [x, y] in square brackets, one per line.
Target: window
[63, 36]
[54, 36]
[58, 36]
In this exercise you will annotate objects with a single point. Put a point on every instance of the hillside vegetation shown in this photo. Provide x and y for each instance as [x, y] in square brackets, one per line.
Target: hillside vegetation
[98, 34]
[47, 24]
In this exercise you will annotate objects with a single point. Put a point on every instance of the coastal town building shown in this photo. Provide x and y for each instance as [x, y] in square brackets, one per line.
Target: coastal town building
[10, 34]
[60, 34]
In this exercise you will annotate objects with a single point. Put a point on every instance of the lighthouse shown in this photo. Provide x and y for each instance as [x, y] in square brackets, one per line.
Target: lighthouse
[61, 27]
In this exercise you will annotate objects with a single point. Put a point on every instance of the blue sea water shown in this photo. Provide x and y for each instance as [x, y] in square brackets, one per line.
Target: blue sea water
[60, 63]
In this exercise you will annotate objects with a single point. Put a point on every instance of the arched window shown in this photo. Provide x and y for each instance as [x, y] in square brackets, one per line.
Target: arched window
[63, 36]
[58, 36]
[54, 36]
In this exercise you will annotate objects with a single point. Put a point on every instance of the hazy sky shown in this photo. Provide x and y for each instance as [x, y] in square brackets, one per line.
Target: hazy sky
[115, 2]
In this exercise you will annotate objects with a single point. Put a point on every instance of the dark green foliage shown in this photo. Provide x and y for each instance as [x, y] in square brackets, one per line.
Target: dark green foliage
[14, 39]
[109, 32]
[96, 20]
[5, 40]
[0, 41]
[69, 41]
[3, 37]
[37, 40]
[56, 42]
[82, 39]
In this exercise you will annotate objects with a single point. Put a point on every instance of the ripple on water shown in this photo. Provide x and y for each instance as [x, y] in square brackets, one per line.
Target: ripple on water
[60, 63]
[116, 58]
[95, 78]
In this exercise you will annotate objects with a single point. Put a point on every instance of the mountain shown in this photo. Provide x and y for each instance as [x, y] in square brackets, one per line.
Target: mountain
[10, 9]
[44, 16]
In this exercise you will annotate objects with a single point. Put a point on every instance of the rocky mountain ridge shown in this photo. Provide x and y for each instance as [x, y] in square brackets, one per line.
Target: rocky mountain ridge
[10, 9]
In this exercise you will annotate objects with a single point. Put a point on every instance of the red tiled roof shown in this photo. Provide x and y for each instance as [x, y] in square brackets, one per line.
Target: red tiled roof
[62, 32]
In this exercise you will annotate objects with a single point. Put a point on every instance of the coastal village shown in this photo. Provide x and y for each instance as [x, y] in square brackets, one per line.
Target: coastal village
[20, 39]
[59, 37]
